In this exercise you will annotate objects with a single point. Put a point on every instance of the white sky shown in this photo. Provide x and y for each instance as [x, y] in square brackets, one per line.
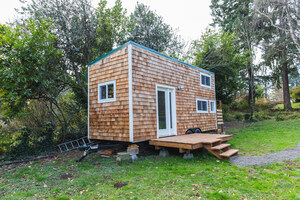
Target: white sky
[191, 17]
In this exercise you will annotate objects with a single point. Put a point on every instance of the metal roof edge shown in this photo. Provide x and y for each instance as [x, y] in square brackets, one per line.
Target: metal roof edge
[111, 52]
[148, 49]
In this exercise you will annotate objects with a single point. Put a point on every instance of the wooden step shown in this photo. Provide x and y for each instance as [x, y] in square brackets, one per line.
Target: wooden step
[220, 123]
[229, 153]
[219, 110]
[211, 141]
[220, 147]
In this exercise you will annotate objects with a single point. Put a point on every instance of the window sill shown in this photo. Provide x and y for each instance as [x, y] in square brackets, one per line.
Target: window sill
[106, 100]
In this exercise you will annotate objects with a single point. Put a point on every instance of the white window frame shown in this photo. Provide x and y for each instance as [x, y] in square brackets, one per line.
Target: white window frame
[202, 74]
[214, 111]
[201, 111]
[107, 99]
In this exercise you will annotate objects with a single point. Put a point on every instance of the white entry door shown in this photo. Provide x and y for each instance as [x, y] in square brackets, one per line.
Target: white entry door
[166, 111]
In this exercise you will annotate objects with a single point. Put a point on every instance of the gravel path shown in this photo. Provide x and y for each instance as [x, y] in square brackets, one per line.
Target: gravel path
[286, 154]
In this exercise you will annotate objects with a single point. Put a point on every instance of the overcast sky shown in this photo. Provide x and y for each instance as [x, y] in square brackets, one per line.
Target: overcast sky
[191, 17]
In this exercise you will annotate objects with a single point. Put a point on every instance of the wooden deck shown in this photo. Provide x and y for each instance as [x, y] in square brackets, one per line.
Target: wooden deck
[214, 143]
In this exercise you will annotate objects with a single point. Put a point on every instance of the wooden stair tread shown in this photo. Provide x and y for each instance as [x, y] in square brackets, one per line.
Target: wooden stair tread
[229, 153]
[211, 141]
[220, 122]
[221, 146]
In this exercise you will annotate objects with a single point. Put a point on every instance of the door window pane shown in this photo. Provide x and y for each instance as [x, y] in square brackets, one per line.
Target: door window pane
[161, 110]
[103, 92]
[110, 93]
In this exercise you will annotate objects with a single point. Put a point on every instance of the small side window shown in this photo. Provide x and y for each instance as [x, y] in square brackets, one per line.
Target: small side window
[107, 92]
[212, 106]
[205, 80]
[202, 106]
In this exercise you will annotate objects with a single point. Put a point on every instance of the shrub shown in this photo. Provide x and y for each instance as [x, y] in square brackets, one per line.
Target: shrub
[25, 142]
[239, 116]
[262, 104]
[247, 116]
[261, 115]
[242, 106]
[228, 117]
[279, 117]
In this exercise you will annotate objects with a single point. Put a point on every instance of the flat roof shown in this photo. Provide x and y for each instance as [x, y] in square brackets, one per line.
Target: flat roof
[148, 49]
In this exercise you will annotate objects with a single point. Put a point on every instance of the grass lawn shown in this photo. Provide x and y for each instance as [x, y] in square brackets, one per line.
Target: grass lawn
[280, 106]
[266, 137]
[153, 177]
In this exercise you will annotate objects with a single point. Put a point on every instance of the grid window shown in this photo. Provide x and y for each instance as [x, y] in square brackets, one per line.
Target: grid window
[205, 80]
[107, 92]
[202, 106]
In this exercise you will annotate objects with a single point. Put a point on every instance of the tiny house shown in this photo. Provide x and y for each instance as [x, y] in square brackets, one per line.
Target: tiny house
[137, 94]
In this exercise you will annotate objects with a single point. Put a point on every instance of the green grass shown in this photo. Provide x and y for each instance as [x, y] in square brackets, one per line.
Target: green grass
[153, 177]
[280, 106]
[266, 137]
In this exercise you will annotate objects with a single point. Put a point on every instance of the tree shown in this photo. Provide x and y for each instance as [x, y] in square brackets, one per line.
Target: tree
[221, 53]
[83, 34]
[150, 30]
[27, 56]
[237, 16]
[113, 25]
[280, 52]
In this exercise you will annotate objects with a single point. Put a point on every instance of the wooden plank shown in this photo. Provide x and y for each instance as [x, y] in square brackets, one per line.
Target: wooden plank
[220, 147]
[229, 153]
[210, 141]
[171, 144]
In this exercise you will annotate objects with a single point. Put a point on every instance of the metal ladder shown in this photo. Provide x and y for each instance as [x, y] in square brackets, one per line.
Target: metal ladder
[74, 144]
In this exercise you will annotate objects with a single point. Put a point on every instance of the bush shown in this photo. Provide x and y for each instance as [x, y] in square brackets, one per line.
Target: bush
[279, 117]
[247, 116]
[27, 142]
[228, 117]
[242, 106]
[262, 104]
[261, 115]
[239, 116]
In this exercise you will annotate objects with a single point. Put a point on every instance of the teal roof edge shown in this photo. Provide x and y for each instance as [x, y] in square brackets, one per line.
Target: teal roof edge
[148, 49]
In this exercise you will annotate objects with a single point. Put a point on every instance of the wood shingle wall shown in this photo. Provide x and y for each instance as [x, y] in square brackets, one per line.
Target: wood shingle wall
[150, 69]
[110, 120]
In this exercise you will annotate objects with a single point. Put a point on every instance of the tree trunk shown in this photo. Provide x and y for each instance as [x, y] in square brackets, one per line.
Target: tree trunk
[251, 99]
[285, 87]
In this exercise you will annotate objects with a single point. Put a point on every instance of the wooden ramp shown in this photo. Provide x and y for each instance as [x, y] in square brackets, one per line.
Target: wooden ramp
[214, 143]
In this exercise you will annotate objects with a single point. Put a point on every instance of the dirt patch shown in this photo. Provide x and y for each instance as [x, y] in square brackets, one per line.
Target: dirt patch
[118, 185]
[65, 176]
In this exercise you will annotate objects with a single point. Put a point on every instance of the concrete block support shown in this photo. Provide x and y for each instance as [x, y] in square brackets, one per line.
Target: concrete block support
[188, 156]
[164, 153]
